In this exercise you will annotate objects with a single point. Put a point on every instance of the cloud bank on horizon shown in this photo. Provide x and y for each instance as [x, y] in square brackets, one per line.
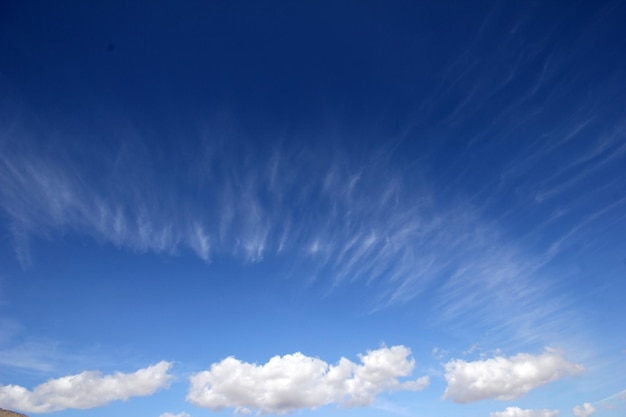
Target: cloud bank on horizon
[295, 382]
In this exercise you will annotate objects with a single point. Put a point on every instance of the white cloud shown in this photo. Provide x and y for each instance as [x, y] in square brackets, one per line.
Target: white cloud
[439, 353]
[183, 414]
[471, 350]
[88, 389]
[504, 378]
[291, 382]
[584, 410]
[518, 412]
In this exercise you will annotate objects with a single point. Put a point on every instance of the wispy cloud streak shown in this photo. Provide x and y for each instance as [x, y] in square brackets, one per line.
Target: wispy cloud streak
[346, 219]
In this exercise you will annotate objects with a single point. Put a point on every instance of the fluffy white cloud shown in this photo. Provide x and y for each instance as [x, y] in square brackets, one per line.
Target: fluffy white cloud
[504, 378]
[291, 382]
[584, 410]
[85, 390]
[175, 415]
[518, 412]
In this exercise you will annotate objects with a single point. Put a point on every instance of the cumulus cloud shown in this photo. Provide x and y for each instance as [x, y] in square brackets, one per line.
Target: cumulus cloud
[88, 389]
[291, 382]
[504, 378]
[584, 410]
[518, 412]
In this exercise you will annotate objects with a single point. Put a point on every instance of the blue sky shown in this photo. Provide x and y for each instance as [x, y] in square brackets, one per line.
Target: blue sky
[313, 208]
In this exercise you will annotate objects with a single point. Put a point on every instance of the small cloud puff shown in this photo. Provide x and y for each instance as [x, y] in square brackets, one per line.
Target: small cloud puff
[183, 414]
[439, 353]
[504, 378]
[584, 410]
[518, 412]
[85, 390]
[292, 382]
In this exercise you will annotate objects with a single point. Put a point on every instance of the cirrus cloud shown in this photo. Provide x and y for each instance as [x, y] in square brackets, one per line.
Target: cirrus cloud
[88, 389]
[504, 378]
[291, 382]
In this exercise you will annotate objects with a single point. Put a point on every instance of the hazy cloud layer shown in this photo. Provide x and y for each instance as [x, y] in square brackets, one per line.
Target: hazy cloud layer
[584, 410]
[88, 389]
[292, 382]
[183, 414]
[504, 378]
[518, 412]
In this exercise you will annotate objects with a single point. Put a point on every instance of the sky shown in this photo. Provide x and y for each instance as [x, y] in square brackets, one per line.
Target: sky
[344, 209]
